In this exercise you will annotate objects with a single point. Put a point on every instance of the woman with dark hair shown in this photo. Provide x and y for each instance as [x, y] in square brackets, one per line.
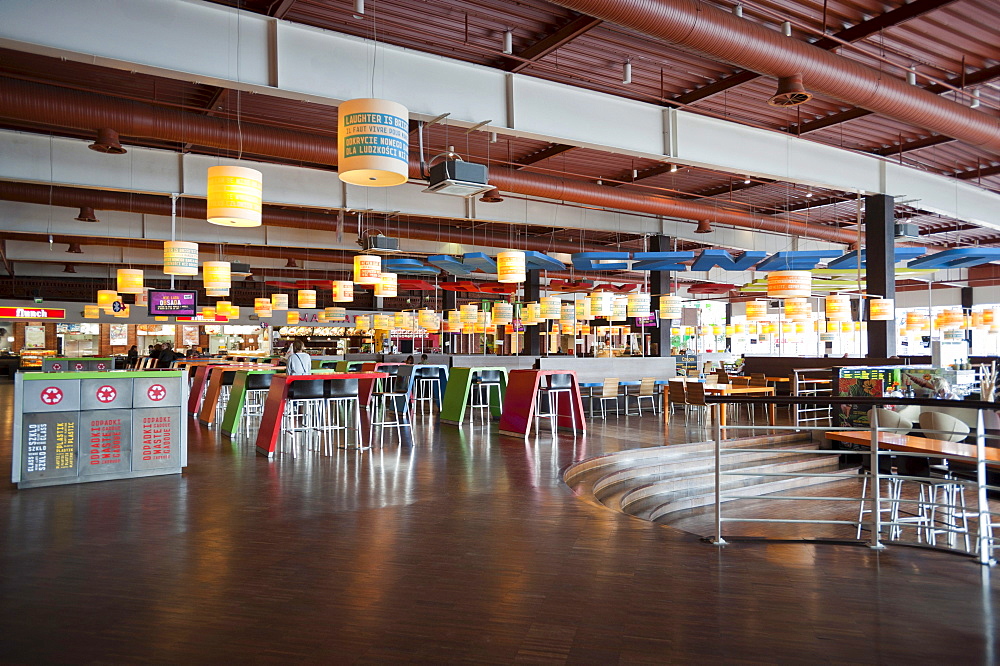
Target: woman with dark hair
[132, 358]
[297, 361]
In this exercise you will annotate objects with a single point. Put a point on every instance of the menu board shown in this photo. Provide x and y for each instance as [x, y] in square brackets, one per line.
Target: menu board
[173, 303]
[118, 335]
[90, 426]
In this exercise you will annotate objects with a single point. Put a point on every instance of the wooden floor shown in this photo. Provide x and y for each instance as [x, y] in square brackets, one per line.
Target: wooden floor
[464, 547]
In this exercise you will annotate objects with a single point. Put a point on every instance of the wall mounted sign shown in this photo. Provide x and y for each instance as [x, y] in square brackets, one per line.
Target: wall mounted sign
[31, 313]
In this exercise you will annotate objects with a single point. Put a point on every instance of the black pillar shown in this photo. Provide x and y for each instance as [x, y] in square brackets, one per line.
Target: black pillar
[659, 283]
[880, 269]
[449, 301]
[966, 295]
[532, 293]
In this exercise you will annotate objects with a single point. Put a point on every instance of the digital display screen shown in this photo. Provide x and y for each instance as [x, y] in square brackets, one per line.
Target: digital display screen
[173, 303]
[646, 321]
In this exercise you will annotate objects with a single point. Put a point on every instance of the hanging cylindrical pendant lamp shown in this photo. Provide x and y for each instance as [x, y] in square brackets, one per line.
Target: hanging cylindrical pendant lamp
[503, 313]
[583, 309]
[306, 299]
[373, 142]
[129, 281]
[124, 312]
[222, 308]
[531, 314]
[382, 322]
[208, 312]
[321, 317]
[619, 309]
[428, 320]
[262, 307]
[798, 309]
[511, 267]
[292, 317]
[789, 284]
[756, 310]
[180, 258]
[106, 299]
[334, 313]
[386, 287]
[550, 307]
[234, 312]
[838, 307]
[401, 320]
[343, 291]
[217, 293]
[469, 313]
[601, 304]
[279, 302]
[638, 304]
[367, 269]
[567, 314]
[235, 196]
[363, 323]
[217, 275]
[91, 312]
[670, 307]
[881, 309]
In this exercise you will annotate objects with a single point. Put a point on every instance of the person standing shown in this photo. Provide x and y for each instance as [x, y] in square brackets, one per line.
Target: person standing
[297, 361]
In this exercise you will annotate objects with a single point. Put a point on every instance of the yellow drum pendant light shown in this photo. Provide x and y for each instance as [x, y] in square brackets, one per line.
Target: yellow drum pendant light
[262, 307]
[279, 302]
[292, 317]
[91, 312]
[106, 299]
[217, 275]
[180, 258]
[789, 284]
[881, 309]
[386, 287]
[307, 299]
[373, 143]
[235, 196]
[367, 269]
[670, 307]
[511, 267]
[129, 281]
[343, 291]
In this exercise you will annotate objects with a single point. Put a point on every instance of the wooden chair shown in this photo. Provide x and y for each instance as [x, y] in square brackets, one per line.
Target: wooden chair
[647, 389]
[677, 395]
[724, 377]
[609, 391]
[758, 379]
[696, 396]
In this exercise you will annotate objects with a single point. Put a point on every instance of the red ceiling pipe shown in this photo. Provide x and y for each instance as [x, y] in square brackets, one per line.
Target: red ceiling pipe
[275, 216]
[56, 106]
[706, 30]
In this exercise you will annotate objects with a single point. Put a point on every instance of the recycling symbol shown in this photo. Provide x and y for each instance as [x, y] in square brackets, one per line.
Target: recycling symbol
[78, 366]
[106, 394]
[51, 395]
[102, 366]
[156, 392]
[57, 366]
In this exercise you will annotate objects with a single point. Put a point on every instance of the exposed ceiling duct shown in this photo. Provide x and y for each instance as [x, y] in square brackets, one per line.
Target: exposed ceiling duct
[276, 216]
[37, 103]
[701, 28]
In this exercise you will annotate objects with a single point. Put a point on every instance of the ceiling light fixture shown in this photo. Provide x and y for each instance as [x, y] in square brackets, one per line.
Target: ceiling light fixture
[290, 263]
[975, 99]
[673, 168]
[738, 10]
[627, 72]
[107, 142]
[508, 42]
[746, 181]
[911, 76]
[359, 9]
[86, 215]
[74, 248]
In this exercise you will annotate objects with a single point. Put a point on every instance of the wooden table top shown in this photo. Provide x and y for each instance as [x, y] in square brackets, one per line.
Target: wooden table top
[910, 443]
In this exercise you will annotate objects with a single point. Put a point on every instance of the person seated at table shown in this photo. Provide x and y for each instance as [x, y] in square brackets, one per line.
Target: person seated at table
[423, 359]
[167, 356]
[409, 360]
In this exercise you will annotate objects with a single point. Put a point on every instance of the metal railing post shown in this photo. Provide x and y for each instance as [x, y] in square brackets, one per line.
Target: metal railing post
[985, 526]
[876, 502]
[717, 422]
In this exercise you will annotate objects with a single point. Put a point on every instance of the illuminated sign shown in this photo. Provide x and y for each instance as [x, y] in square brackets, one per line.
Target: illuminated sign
[32, 313]
[173, 303]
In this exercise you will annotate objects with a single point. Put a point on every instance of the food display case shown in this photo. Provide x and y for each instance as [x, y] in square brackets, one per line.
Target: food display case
[31, 359]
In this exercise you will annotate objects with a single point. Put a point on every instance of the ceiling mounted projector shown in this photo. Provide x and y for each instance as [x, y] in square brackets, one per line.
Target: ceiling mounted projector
[458, 178]
[238, 268]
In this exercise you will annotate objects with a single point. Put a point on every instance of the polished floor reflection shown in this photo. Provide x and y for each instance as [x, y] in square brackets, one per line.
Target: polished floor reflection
[458, 546]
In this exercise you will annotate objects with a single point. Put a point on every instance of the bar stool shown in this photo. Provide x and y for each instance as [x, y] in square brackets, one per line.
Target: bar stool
[254, 397]
[398, 401]
[225, 390]
[483, 381]
[304, 410]
[555, 386]
[343, 410]
[427, 386]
